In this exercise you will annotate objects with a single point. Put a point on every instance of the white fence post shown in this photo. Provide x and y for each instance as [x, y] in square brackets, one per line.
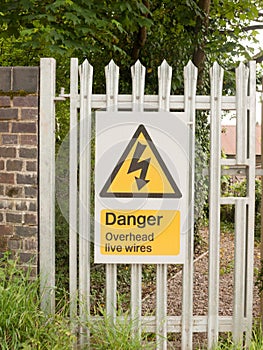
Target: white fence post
[241, 101]
[86, 76]
[138, 81]
[251, 195]
[216, 74]
[190, 80]
[112, 87]
[164, 79]
[73, 187]
[242, 73]
[240, 269]
[47, 184]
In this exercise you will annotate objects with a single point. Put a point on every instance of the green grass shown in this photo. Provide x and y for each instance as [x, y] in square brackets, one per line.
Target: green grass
[22, 324]
[118, 335]
[226, 342]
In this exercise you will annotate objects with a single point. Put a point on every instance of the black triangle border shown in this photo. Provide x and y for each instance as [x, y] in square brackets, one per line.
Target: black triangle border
[104, 192]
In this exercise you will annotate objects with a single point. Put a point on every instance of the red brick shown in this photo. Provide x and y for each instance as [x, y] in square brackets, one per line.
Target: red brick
[9, 139]
[5, 101]
[30, 244]
[29, 113]
[7, 152]
[28, 140]
[28, 153]
[31, 166]
[8, 113]
[25, 101]
[26, 231]
[30, 219]
[21, 206]
[3, 244]
[13, 191]
[15, 243]
[6, 230]
[32, 206]
[1, 217]
[31, 192]
[7, 178]
[14, 165]
[24, 127]
[6, 204]
[1, 190]
[26, 179]
[2, 165]
[4, 126]
[27, 258]
[13, 218]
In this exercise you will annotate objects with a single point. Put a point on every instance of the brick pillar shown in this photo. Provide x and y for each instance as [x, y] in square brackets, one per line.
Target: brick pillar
[19, 163]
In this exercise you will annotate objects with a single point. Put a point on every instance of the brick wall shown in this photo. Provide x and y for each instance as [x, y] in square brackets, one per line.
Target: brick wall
[19, 162]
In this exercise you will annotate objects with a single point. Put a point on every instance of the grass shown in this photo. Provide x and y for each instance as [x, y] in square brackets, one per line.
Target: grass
[226, 343]
[118, 335]
[22, 324]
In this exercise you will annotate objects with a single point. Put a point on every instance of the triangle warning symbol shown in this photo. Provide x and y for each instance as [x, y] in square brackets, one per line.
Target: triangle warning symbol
[141, 172]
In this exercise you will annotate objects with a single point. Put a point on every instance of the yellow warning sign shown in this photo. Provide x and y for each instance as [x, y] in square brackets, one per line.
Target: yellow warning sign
[140, 232]
[141, 172]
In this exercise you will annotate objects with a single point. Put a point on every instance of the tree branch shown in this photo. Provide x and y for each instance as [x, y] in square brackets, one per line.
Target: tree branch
[199, 52]
[141, 37]
[258, 57]
[254, 27]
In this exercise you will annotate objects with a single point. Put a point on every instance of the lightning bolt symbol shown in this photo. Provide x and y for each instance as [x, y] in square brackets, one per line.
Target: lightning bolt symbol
[139, 165]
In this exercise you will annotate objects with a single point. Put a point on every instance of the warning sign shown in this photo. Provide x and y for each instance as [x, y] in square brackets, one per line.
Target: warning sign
[141, 172]
[140, 232]
[143, 189]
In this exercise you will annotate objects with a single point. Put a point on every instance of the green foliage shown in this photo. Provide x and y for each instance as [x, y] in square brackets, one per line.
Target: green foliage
[239, 189]
[110, 335]
[226, 341]
[62, 251]
[201, 164]
[78, 26]
[109, 29]
[22, 324]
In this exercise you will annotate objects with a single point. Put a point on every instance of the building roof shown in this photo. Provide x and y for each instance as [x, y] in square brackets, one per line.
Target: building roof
[228, 139]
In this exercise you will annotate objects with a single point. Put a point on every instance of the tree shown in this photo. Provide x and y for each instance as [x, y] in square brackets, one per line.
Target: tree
[71, 26]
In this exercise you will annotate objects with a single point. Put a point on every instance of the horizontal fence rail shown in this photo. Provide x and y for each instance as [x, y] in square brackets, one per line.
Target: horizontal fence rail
[82, 103]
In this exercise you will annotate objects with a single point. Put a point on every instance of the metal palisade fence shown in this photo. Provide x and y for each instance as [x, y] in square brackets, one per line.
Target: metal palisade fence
[82, 103]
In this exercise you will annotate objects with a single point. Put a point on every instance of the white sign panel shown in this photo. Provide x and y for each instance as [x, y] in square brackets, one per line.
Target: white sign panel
[141, 187]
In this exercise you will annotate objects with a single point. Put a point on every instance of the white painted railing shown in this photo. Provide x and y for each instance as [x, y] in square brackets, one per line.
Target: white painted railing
[81, 104]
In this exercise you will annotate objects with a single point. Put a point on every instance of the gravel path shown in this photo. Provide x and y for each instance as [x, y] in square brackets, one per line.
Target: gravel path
[174, 304]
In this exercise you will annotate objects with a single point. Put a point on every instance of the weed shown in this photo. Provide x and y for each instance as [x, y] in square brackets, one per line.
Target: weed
[117, 334]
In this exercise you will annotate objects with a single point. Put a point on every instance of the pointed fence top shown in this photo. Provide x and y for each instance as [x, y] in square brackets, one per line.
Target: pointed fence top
[111, 65]
[86, 67]
[137, 68]
[164, 64]
[190, 65]
[216, 72]
[86, 63]
[165, 71]
[165, 78]
[216, 67]
[190, 71]
[242, 69]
